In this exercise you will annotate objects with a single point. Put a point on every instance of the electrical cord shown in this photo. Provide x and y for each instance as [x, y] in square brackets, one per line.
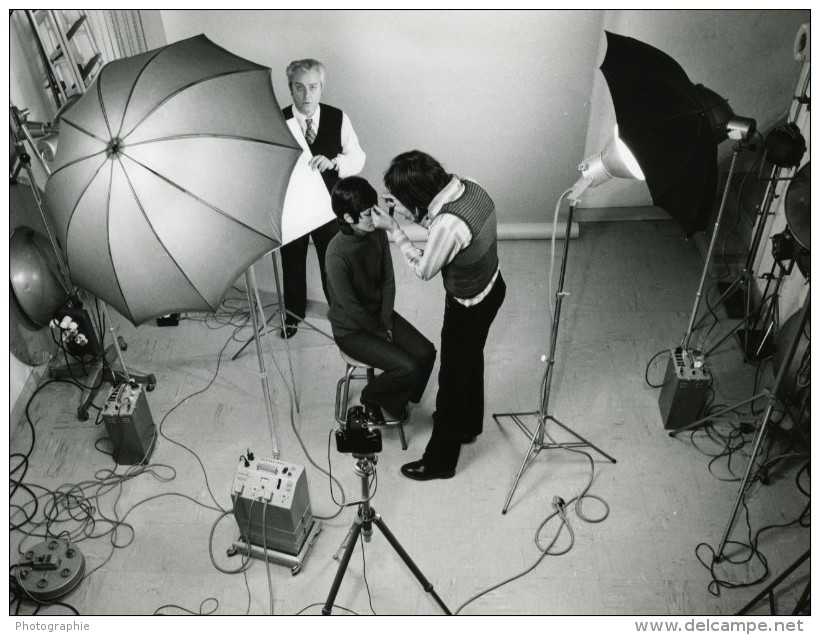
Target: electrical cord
[335, 606]
[291, 403]
[343, 504]
[364, 576]
[559, 511]
[185, 611]
[265, 551]
[561, 198]
[648, 365]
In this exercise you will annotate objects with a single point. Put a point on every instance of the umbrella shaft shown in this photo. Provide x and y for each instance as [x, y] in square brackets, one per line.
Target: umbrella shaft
[250, 285]
[116, 342]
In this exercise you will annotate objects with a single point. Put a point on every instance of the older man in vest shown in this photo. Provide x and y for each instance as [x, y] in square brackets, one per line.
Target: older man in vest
[461, 220]
[326, 132]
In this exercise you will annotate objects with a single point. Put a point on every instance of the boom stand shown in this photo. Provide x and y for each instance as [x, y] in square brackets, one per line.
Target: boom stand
[543, 415]
[363, 524]
[767, 417]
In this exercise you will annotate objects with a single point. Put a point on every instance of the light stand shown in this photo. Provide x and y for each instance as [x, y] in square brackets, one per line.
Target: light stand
[254, 304]
[767, 417]
[543, 416]
[282, 313]
[20, 132]
[784, 148]
[772, 317]
[708, 258]
[615, 160]
[687, 378]
[363, 524]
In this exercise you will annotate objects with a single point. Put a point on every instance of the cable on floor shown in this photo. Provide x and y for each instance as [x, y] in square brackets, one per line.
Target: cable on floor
[560, 512]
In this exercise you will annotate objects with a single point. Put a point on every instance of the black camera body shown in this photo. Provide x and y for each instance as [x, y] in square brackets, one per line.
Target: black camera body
[356, 437]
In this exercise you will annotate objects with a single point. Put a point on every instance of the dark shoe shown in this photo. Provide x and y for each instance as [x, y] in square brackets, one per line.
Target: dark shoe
[287, 332]
[421, 471]
[468, 438]
[374, 412]
[291, 326]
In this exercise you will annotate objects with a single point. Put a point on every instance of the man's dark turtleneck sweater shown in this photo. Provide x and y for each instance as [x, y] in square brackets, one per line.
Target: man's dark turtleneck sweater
[360, 283]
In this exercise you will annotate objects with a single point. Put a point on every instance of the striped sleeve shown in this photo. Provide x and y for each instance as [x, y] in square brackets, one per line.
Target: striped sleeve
[448, 235]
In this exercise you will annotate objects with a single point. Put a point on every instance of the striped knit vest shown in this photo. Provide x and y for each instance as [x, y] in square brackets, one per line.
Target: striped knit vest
[469, 273]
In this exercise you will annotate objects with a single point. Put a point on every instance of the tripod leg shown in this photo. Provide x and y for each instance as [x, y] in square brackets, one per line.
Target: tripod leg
[283, 326]
[720, 413]
[425, 583]
[355, 530]
[248, 343]
[578, 436]
[524, 465]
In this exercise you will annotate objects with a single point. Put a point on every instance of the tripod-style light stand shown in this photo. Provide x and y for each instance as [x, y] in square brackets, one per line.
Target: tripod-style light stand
[784, 148]
[615, 160]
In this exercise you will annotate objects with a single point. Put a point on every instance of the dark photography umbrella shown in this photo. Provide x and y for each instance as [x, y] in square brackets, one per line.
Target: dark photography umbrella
[170, 177]
[671, 125]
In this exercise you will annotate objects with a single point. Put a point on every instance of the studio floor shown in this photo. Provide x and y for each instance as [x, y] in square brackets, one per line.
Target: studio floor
[155, 537]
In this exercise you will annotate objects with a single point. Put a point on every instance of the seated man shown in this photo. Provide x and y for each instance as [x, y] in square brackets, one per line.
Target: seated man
[361, 290]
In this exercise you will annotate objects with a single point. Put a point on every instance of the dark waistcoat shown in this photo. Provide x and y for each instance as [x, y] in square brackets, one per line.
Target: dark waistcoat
[328, 141]
[469, 273]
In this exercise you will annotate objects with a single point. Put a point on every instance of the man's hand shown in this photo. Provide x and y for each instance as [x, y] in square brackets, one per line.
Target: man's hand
[383, 220]
[322, 163]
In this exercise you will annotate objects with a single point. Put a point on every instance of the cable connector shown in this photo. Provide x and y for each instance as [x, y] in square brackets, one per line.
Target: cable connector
[558, 503]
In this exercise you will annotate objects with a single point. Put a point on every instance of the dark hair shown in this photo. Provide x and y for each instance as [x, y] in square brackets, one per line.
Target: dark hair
[351, 195]
[415, 178]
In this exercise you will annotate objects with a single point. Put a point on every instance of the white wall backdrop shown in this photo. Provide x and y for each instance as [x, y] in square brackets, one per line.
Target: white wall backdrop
[502, 97]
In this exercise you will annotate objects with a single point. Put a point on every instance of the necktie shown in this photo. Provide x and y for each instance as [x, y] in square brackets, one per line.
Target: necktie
[310, 133]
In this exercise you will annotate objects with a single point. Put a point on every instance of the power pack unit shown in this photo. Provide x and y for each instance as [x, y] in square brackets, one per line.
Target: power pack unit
[685, 388]
[129, 424]
[271, 505]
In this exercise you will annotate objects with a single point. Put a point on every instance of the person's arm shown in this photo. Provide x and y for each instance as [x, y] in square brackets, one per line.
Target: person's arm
[344, 299]
[351, 160]
[448, 235]
[388, 286]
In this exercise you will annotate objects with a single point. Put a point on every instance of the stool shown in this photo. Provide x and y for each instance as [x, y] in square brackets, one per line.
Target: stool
[343, 393]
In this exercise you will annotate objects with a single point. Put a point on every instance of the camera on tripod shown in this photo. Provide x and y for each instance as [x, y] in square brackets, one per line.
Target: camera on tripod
[355, 436]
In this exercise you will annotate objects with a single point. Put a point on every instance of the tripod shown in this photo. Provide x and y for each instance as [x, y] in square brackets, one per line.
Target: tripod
[282, 312]
[772, 318]
[767, 417]
[755, 342]
[543, 415]
[363, 524]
